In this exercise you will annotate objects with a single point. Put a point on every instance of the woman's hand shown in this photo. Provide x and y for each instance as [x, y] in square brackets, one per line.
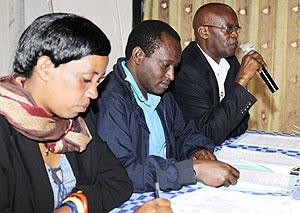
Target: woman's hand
[158, 205]
[63, 209]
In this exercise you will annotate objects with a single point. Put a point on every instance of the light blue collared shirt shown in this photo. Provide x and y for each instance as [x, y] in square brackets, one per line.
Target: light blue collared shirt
[157, 141]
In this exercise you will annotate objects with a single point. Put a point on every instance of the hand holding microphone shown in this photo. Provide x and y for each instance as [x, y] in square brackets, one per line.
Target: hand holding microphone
[246, 48]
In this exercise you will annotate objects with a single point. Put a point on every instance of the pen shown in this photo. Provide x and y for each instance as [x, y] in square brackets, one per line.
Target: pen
[156, 186]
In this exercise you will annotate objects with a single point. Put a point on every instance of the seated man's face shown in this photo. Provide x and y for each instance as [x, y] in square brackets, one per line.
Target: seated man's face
[223, 35]
[157, 71]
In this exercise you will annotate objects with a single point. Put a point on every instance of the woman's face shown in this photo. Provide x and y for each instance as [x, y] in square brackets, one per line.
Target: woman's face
[71, 86]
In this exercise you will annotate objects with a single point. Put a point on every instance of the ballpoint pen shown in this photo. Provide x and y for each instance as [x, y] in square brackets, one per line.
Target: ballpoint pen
[156, 185]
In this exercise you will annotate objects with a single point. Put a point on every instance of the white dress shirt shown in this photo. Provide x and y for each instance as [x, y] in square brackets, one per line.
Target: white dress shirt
[220, 71]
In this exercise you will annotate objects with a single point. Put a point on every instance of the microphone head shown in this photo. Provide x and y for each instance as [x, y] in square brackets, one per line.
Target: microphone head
[246, 48]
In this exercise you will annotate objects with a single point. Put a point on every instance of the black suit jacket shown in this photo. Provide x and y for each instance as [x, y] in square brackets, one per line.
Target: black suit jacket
[196, 90]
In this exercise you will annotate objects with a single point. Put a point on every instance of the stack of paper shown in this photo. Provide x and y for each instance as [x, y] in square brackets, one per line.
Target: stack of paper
[269, 141]
[216, 200]
[262, 172]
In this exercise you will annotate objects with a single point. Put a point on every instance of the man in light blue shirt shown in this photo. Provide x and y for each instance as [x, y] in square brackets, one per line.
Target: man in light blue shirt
[143, 124]
[157, 141]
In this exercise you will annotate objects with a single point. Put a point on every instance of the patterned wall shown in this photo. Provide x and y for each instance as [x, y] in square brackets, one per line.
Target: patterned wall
[273, 27]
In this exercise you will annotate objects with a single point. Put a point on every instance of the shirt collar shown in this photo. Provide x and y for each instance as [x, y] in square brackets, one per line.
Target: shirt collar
[153, 100]
[223, 65]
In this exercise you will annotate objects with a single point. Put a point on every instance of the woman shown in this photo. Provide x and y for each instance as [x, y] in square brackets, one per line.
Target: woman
[50, 155]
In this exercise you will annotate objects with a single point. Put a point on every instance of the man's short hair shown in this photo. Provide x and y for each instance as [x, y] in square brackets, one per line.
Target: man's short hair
[147, 36]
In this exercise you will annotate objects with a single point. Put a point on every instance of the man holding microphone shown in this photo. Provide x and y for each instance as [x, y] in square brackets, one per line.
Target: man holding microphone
[210, 86]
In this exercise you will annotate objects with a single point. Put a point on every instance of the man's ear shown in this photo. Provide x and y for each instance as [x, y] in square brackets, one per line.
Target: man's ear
[202, 31]
[137, 55]
[43, 67]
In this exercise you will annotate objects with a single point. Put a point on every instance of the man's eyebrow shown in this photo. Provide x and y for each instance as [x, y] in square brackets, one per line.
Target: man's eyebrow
[101, 78]
[90, 73]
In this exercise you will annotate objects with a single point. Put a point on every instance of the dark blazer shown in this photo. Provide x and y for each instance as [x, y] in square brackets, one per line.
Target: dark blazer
[196, 91]
[24, 182]
[121, 122]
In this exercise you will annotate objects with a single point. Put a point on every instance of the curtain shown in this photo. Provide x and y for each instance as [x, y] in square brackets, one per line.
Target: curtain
[273, 27]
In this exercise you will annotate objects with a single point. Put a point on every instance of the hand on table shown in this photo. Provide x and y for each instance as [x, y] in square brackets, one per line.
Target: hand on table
[215, 173]
[203, 154]
[158, 205]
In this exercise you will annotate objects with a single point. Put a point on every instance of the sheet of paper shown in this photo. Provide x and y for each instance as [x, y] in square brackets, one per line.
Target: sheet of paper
[265, 182]
[261, 172]
[215, 200]
[276, 162]
[272, 141]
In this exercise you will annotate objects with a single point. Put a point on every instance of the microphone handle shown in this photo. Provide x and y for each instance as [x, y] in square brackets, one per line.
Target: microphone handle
[268, 80]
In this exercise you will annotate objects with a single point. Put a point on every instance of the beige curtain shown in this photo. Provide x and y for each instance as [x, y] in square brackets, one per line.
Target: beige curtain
[273, 27]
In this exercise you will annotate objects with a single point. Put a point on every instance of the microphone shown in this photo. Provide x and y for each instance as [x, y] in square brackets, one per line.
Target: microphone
[264, 74]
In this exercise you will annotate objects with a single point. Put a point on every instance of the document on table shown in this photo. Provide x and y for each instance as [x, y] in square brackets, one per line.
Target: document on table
[216, 200]
[271, 141]
[262, 172]
[275, 162]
